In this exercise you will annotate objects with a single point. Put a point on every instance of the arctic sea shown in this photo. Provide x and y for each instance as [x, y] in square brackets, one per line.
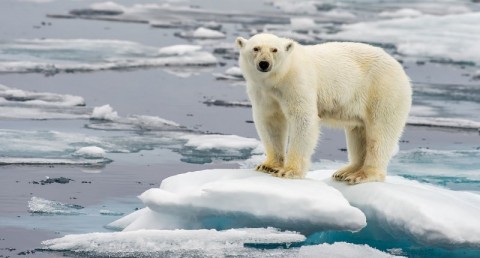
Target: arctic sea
[102, 101]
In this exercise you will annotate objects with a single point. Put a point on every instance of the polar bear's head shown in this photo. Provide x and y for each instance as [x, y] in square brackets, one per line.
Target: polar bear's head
[264, 52]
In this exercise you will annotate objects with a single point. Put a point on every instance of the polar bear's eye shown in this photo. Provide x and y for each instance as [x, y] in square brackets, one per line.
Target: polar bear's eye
[274, 50]
[256, 49]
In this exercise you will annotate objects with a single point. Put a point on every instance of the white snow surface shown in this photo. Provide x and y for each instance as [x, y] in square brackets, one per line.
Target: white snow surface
[455, 35]
[108, 6]
[243, 198]
[401, 13]
[425, 213]
[203, 243]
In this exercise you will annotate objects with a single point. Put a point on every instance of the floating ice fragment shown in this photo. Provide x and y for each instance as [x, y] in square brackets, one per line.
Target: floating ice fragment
[104, 112]
[172, 243]
[108, 6]
[232, 198]
[217, 141]
[43, 206]
[401, 13]
[51, 56]
[179, 49]
[444, 122]
[90, 152]
[203, 33]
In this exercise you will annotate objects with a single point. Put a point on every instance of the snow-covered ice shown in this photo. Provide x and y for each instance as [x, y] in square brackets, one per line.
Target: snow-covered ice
[422, 213]
[418, 213]
[52, 56]
[21, 104]
[203, 243]
[90, 152]
[455, 35]
[225, 198]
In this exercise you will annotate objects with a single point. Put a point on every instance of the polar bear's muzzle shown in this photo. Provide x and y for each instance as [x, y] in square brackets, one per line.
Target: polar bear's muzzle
[264, 66]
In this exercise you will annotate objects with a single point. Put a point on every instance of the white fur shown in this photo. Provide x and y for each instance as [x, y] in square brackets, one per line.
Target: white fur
[351, 85]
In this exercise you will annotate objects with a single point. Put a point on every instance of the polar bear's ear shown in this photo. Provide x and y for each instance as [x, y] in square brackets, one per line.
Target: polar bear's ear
[289, 45]
[240, 42]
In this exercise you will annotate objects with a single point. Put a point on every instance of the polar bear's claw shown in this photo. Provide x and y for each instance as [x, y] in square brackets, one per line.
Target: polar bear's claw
[266, 169]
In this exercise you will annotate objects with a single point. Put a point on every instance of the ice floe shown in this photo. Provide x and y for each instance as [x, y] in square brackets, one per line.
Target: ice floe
[52, 56]
[202, 33]
[455, 35]
[232, 73]
[223, 199]
[90, 152]
[21, 104]
[43, 206]
[398, 209]
[203, 243]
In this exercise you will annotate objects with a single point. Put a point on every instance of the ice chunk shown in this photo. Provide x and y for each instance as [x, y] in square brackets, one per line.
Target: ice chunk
[18, 96]
[108, 6]
[21, 104]
[52, 56]
[225, 103]
[217, 141]
[232, 73]
[202, 33]
[424, 213]
[401, 13]
[91, 152]
[179, 49]
[232, 198]
[444, 122]
[172, 243]
[43, 206]
[342, 250]
[104, 112]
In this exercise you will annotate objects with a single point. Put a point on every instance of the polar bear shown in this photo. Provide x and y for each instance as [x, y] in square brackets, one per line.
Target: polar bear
[293, 88]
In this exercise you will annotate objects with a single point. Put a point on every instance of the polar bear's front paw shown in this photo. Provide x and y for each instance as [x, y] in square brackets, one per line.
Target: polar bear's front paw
[344, 172]
[266, 168]
[365, 175]
[288, 173]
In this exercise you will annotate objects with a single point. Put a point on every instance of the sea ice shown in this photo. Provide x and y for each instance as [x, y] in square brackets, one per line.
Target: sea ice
[423, 213]
[52, 56]
[455, 35]
[104, 112]
[223, 199]
[90, 152]
[43, 206]
[204, 243]
[202, 33]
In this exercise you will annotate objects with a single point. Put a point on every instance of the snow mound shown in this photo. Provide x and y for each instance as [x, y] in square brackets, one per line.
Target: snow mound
[229, 198]
[426, 214]
[341, 250]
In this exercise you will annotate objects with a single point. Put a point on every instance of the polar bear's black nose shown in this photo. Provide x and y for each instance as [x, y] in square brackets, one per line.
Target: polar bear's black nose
[263, 65]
